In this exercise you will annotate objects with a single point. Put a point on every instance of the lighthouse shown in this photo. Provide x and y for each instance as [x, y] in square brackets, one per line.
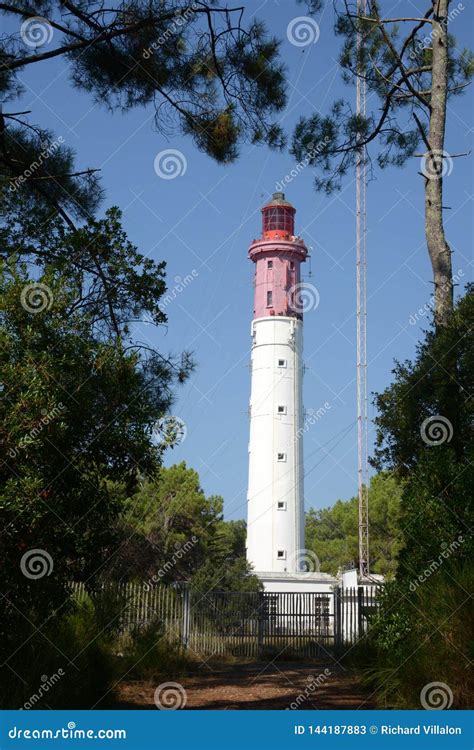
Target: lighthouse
[275, 518]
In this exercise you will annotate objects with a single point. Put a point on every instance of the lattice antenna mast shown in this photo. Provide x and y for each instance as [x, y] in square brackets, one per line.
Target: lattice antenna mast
[361, 273]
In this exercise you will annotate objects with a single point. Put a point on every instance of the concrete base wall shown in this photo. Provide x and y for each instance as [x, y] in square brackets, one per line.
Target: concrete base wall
[319, 583]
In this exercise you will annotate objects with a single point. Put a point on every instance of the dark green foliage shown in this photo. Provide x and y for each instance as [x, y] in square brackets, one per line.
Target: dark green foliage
[170, 531]
[79, 657]
[225, 567]
[110, 281]
[166, 528]
[438, 480]
[69, 664]
[422, 636]
[79, 404]
[150, 654]
[229, 574]
[77, 412]
[332, 533]
[313, 6]
[423, 633]
[39, 168]
[230, 539]
[203, 69]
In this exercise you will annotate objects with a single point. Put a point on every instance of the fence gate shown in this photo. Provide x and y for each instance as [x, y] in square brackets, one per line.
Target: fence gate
[257, 624]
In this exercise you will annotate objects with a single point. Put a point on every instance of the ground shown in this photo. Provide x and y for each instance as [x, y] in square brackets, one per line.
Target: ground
[257, 686]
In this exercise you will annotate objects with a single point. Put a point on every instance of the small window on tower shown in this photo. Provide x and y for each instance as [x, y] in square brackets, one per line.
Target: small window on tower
[269, 299]
[281, 409]
[270, 264]
[281, 554]
[282, 363]
[281, 505]
[281, 456]
[292, 265]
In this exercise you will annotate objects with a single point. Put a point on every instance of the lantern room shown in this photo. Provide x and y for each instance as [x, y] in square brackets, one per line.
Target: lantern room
[278, 218]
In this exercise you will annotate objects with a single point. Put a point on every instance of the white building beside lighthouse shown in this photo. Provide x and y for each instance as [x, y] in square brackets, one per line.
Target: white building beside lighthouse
[275, 518]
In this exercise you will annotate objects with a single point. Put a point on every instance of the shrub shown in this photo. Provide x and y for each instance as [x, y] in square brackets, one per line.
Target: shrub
[151, 652]
[67, 664]
[420, 637]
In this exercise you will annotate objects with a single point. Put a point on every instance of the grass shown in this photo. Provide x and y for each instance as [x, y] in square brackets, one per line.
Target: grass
[151, 653]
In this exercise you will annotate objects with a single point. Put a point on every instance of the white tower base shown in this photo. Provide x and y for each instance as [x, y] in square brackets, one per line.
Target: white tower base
[275, 532]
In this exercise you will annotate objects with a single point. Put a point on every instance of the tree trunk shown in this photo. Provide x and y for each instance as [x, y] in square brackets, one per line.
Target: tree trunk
[437, 163]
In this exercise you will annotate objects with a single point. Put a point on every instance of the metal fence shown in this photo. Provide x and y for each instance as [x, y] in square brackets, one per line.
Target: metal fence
[135, 605]
[251, 624]
[358, 607]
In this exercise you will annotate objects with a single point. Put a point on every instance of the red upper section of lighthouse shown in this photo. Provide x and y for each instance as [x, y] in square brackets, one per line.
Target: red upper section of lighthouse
[277, 255]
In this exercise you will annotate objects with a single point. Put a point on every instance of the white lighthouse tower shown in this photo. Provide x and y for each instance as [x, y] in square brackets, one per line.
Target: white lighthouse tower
[275, 530]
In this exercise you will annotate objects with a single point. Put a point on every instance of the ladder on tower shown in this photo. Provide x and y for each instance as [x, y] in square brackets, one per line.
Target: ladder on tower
[361, 277]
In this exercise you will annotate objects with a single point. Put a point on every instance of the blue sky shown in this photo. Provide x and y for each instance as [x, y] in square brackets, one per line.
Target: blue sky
[202, 222]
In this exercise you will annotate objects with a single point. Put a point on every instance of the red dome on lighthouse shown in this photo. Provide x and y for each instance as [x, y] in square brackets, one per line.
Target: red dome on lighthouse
[277, 255]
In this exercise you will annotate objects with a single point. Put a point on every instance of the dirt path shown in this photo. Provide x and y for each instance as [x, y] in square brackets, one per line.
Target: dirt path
[257, 686]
